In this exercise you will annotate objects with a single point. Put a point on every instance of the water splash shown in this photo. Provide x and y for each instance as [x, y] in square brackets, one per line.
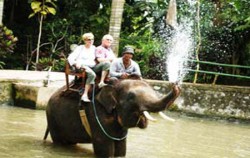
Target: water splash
[180, 47]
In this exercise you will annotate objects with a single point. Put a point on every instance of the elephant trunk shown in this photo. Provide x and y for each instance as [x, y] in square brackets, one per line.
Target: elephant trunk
[166, 101]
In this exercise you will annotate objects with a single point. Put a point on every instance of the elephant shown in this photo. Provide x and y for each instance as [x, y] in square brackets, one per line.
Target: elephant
[113, 110]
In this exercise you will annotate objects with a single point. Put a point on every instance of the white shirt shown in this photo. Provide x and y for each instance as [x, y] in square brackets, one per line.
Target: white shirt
[117, 68]
[83, 56]
[102, 52]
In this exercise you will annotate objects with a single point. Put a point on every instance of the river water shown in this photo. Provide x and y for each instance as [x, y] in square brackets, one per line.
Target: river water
[22, 131]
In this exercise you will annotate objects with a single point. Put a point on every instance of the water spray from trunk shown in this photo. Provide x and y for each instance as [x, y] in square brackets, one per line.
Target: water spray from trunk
[181, 43]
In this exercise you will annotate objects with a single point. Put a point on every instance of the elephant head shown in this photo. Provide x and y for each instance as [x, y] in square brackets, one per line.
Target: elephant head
[132, 100]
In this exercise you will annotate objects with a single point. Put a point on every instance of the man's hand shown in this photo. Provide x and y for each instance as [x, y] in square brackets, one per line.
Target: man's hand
[124, 76]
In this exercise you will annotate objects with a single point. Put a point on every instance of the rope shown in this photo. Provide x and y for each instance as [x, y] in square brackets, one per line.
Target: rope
[99, 123]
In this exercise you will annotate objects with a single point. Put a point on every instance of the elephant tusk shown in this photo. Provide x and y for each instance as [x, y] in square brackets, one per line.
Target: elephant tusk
[166, 117]
[148, 116]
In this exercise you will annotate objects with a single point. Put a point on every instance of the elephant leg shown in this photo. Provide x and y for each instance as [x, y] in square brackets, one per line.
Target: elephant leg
[52, 126]
[120, 148]
[104, 148]
[55, 133]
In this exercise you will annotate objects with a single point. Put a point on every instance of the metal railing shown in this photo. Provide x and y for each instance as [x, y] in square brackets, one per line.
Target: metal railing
[219, 73]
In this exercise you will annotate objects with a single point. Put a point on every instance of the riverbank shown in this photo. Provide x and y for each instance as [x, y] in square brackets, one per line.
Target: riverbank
[32, 89]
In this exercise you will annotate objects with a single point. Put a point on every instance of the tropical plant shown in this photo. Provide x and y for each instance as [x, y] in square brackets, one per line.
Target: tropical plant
[224, 27]
[54, 45]
[7, 42]
[42, 8]
[46, 63]
[148, 54]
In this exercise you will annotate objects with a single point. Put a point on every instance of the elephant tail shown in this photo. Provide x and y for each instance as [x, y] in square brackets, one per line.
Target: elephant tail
[46, 133]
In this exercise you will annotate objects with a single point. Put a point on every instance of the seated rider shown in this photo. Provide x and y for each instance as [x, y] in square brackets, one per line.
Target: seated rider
[104, 57]
[124, 67]
[83, 57]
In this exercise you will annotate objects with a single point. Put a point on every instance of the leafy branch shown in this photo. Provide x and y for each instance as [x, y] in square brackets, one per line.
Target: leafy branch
[42, 8]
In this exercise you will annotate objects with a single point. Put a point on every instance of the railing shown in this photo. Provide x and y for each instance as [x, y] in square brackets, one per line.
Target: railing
[219, 73]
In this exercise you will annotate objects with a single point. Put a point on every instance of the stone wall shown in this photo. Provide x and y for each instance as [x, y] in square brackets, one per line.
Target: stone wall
[32, 96]
[202, 99]
[25, 95]
[6, 93]
[31, 89]
[215, 100]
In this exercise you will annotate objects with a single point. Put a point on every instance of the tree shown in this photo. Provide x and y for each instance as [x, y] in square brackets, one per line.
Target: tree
[42, 8]
[1, 10]
[115, 22]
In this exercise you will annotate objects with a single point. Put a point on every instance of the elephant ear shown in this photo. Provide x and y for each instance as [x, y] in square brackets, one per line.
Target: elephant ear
[108, 98]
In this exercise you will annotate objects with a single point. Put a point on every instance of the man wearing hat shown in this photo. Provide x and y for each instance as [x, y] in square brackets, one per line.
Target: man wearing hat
[124, 67]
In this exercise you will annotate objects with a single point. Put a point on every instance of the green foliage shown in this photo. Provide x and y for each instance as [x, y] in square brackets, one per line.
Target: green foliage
[244, 26]
[99, 22]
[1, 64]
[237, 11]
[148, 54]
[7, 40]
[140, 20]
[43, 7]
[45, 63]
[225, 33]
[225, 27]
[141, 16]
[53, 26]
[57, 37]
[78, 12]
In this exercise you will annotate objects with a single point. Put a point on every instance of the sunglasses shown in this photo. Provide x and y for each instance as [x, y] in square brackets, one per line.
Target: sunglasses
[89, 39]
[109, 40]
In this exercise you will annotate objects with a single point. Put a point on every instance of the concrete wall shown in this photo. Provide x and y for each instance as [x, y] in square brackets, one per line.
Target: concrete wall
[203, 99]
[27, 88]
[6, 93]
[31, 96]
[218, 100]
[25, 95]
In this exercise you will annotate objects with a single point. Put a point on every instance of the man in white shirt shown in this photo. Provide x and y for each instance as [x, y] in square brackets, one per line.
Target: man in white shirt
[124, 67]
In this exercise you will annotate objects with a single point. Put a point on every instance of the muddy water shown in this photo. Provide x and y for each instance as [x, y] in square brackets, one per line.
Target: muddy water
[22, 130]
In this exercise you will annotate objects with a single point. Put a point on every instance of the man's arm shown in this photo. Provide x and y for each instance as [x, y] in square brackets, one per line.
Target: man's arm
[113, 69]
[137, 70]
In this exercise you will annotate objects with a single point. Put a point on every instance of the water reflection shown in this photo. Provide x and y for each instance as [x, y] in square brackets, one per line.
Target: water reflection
[22, 130]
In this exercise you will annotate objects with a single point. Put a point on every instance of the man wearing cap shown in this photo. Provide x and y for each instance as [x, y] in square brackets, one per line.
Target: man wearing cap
[124, 67]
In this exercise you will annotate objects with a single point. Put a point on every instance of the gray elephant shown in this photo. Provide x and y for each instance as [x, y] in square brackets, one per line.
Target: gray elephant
[113, 110]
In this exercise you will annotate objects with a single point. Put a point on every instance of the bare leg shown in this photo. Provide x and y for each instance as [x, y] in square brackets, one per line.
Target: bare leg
[104, 74]
[85, 94]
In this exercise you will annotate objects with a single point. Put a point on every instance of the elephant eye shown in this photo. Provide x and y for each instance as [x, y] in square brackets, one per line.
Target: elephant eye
[130, 96]
[134, 110]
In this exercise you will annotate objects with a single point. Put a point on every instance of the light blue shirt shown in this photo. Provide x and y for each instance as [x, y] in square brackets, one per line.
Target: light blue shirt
[117, 68]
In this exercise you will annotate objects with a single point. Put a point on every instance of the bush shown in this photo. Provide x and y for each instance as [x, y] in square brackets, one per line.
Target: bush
[7, 40]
